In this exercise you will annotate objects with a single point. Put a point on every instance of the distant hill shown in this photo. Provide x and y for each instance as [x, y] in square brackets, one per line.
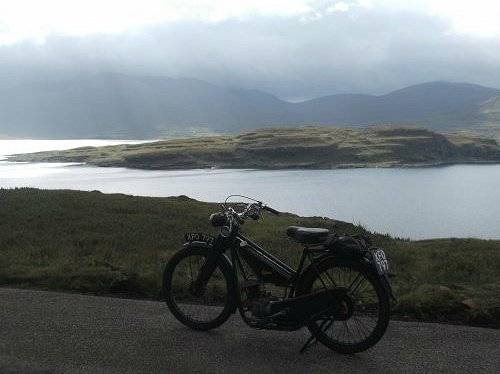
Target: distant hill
[127, 106]
[437, 105]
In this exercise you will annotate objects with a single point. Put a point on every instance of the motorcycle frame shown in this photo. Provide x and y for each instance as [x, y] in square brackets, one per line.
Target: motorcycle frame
[235, 243]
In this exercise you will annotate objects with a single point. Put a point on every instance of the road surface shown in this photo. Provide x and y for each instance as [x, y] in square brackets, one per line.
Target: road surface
[46, 332]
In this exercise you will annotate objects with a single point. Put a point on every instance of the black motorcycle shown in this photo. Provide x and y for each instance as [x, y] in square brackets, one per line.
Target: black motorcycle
[340, 290]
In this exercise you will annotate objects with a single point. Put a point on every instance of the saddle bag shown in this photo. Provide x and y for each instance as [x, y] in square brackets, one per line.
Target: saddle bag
[347, 247]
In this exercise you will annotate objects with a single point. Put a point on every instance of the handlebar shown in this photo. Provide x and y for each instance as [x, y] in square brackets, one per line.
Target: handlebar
[253, 210]
[229, 215]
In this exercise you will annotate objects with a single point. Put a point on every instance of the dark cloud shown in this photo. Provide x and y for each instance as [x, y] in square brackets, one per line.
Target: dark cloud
[369, 51]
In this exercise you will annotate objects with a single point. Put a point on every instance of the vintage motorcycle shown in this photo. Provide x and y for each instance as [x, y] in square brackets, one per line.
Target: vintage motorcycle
[340, 290]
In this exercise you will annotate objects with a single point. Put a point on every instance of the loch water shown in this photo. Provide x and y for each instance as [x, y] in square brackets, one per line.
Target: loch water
[416, 203]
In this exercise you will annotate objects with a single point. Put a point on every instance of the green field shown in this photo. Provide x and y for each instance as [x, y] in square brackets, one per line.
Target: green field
[119, 244]
[308, 147]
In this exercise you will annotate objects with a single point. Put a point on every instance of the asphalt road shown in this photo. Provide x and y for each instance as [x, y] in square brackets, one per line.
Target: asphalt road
[59, 332]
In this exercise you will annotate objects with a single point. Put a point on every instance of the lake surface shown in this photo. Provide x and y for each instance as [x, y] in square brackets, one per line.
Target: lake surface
[453, 201]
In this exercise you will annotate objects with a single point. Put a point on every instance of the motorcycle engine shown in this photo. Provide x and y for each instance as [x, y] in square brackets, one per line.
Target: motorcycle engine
[261, 307]
[258, 301]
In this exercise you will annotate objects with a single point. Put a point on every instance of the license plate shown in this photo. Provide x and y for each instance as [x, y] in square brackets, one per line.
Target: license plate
[381, 262]
[199, 237]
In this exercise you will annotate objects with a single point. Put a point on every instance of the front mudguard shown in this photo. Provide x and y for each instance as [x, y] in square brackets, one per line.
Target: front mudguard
[214, 245]
[224, 261]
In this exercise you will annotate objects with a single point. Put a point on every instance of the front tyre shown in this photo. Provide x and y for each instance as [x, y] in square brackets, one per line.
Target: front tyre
[360, 317]
[204, 310]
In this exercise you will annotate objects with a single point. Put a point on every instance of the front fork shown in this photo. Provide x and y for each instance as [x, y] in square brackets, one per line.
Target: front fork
[198, 287]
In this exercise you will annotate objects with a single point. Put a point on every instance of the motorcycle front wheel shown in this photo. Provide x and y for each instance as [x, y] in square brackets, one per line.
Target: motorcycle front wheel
[203, 309]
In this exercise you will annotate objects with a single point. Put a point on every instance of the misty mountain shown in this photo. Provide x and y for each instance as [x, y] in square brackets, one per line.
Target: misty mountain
[437, 105]
[120, 106]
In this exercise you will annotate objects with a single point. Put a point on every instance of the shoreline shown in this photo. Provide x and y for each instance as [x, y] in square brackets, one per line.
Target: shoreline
[10, 158]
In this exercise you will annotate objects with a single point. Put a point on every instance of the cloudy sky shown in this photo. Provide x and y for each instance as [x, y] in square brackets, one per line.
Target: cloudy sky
[295, 49]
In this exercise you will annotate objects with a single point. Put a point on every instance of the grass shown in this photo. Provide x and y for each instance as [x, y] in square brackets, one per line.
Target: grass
[308, 147]
[119, 244]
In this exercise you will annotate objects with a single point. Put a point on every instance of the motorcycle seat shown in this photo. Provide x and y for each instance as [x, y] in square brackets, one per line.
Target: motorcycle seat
[307, 235]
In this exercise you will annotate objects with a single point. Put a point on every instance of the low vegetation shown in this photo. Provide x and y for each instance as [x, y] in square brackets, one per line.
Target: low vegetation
[119, 244]
[308, 147]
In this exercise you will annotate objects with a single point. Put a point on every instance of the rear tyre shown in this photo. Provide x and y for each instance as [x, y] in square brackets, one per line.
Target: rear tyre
[204, 311]
[362, 319]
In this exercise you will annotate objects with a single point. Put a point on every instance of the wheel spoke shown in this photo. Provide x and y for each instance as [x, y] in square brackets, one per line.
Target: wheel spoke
[354, 281]
[358, 329]
[360, 279]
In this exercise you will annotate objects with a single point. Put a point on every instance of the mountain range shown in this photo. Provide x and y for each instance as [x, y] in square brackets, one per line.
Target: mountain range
[113, 105]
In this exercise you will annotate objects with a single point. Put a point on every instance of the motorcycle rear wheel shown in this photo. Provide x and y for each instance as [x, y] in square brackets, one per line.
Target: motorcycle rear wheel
[362, 319]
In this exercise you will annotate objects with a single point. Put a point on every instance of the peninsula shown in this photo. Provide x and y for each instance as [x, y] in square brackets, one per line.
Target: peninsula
[285, 148]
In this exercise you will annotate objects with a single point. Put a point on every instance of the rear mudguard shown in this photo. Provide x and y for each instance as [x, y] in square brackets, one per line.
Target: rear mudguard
[384, 279]
[361, 258]
[387, 285]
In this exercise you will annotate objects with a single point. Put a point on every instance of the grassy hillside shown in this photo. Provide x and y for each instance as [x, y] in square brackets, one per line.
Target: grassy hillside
[118, 244]
[309, 147]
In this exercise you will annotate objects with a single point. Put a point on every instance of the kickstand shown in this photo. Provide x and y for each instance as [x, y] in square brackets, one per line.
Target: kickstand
[312, 339]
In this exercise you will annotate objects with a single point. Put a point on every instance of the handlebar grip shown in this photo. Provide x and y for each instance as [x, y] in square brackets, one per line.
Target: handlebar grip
[271, 210]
